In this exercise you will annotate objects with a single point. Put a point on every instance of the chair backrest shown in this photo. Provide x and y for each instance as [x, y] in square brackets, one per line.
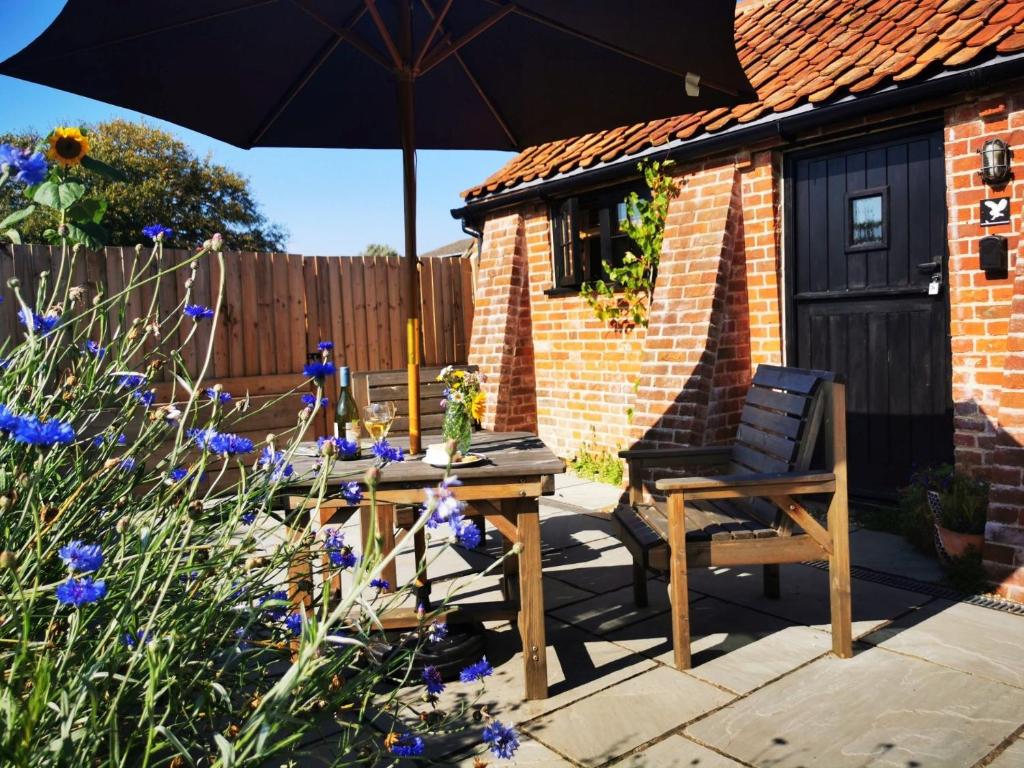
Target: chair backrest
[780, 425]
[393, 385]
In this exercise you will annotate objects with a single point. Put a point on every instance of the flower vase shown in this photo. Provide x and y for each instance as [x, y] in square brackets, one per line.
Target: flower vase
[458, 426]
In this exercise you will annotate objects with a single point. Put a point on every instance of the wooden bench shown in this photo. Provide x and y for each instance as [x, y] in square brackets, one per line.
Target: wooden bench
[383, 386]
[750, 515]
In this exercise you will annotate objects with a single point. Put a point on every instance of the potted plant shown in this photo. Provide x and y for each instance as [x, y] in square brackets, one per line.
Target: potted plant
[961, 507]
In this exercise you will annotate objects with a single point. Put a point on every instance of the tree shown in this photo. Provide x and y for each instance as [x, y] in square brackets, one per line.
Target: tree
[166, 183]
[378, 249]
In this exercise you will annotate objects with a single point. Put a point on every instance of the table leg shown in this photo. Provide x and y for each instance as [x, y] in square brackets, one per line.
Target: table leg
[300, 566]
[531, 598]
[386, 532]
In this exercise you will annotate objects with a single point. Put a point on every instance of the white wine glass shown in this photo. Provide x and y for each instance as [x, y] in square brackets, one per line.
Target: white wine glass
[378, 418]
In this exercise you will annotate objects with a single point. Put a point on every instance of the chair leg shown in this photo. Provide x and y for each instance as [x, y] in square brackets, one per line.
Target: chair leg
[770, 576]
[639, 582]
[677, 587]
[840, 599]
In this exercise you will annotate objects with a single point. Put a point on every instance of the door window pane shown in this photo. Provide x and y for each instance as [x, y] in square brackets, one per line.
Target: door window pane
[866, 224]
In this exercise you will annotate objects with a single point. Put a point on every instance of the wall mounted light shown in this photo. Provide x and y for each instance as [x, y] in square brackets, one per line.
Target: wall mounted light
[995, 161]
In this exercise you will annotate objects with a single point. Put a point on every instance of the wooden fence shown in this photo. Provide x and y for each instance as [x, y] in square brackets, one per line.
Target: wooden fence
[277, 307]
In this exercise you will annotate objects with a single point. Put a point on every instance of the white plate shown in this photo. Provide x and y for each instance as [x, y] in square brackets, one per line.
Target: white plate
[469, 460]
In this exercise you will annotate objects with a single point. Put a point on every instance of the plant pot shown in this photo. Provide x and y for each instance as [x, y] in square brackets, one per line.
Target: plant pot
[957, 544]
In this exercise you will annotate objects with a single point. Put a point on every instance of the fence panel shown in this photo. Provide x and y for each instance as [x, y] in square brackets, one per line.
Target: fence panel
[276, 308]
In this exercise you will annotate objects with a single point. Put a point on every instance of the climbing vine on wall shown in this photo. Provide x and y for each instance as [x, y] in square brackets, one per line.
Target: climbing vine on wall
[624, 299]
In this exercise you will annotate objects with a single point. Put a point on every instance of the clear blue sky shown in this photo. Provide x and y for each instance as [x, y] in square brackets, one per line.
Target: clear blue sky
[299, 188]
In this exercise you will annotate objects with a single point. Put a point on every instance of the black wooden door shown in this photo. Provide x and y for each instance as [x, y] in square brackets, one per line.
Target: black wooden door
[866, 269]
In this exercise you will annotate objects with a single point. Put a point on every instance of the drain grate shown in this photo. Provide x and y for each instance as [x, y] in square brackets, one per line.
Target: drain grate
[994, 602]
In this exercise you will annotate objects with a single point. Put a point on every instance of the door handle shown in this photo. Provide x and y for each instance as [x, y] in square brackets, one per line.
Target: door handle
[930, 267]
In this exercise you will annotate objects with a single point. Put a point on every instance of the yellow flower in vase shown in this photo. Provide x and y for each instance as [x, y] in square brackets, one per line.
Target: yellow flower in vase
[68, 146]
[479, 406]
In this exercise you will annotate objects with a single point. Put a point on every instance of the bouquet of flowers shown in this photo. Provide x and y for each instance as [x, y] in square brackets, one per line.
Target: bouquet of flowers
[464, 404]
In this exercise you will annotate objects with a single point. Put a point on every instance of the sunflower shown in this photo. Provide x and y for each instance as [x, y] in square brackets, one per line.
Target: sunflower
[68, 146]
[476, 408]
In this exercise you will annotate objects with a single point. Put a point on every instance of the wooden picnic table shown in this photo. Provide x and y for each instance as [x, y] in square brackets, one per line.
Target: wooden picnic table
[505, 491]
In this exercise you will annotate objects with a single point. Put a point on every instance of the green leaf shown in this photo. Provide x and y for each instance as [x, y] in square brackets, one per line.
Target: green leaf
[17, 216]
[13, 236]
[88, 209]
[47, 194]
[87, 233]
[70, 192]
[101, 168]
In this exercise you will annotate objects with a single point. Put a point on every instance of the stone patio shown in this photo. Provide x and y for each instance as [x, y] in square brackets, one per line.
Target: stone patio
[933, 683]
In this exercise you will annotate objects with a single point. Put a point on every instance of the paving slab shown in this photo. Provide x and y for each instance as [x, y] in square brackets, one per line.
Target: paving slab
[599, 567]
[578, 665]
[588, 495]
[805, 596]
[878, 709]
[890, 553]
[677, 752]
[970, 638]
[616, 720]
[605, 613]
[531, 754]
[1011, 757]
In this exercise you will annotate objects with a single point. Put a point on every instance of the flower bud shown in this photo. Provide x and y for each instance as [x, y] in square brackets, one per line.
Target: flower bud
[207, 245]
[13, 283]
[270, 439]
[328, 448]
[195, 509]
[372, 475]
[62, 230]
[138, 249]
[5, 501]
[217, 241]
[121, 525]
[451, 446]
[8, 560]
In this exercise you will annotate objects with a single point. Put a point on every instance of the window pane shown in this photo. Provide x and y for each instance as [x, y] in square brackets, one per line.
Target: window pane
[866, 220]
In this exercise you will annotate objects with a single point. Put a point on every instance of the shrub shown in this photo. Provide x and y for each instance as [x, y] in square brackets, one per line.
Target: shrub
[598, 464]
[145, 612]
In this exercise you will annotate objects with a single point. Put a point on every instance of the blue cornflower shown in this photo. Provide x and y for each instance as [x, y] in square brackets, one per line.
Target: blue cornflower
[25, 165]
[477, 671]
[386, 453]
[157, 232]
[352, 492]
[406, 745]
[274, 462]
[380, 584]
[437, 632]
[177, 474]
[146, 398]
[342, 447]
[220, 442]
[325, 346]
[220, 397]
[8, 418]
[198, 312]
[81, 557]
[502, 740]
[242, 638]
[248, 518]
[294, 622]
[339, 553]
[78, 592]
[38, 323]
[441, 504]
[468, 534]
[32, 431]
[131, 381]
[132, 640]
[275, 613]
[318, 370]
[309, 401]
[127, 464]
[432, 678]
[93, 348]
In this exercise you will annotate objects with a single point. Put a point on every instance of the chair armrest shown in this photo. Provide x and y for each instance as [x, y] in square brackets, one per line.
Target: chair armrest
[739, 486]
[678, 456]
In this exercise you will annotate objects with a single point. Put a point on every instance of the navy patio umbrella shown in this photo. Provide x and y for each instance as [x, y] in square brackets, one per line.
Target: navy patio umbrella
[431, 74]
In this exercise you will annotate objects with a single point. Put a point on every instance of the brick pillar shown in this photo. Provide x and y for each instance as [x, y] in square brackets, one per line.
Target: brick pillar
[1004, 532]
[502, 344]
[762, 207]
[687, 314]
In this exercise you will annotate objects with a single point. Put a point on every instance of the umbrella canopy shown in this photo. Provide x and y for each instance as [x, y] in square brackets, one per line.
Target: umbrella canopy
[432, 74]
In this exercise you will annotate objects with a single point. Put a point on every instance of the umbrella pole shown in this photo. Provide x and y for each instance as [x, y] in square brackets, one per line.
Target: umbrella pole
[412, 326]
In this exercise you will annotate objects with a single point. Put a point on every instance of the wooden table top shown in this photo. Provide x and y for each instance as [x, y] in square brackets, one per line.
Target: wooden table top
[509, 455]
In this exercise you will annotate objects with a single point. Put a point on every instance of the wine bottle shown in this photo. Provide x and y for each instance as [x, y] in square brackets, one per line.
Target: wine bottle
[346, 414]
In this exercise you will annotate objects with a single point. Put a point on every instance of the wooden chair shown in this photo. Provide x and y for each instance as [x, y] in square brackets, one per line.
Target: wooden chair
[751, 514]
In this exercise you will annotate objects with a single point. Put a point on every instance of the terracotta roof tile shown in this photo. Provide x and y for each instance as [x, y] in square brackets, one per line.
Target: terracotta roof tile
[805, 51]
